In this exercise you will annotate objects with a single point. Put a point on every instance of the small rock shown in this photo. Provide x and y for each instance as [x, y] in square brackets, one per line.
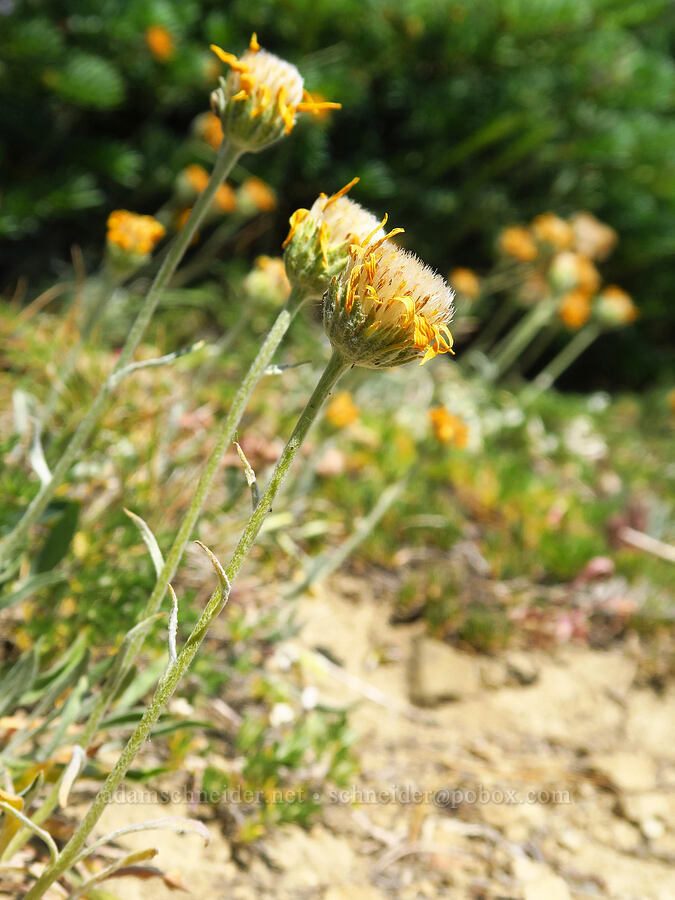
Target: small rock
[626, 771]
[439, 673]
[637, 808]
[652, 829]
[521, 668]
[493, 673]
[571, 839]
[550, 887]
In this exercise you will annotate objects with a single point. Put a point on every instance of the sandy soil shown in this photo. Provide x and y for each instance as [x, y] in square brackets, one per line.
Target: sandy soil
[548, 776]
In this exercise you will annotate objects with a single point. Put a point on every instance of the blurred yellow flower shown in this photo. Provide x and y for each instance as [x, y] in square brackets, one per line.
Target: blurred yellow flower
[197, 177]
[259, 194]
[570, 271]
[225, 198]
[575, 309]
[465, 282]
[267, 279]
[134, 233]
[615, 307]
[592, 237]
[210, 129]
[551, 229]
[160, 42]
[342, 410]
[517, 242]
[448, 428]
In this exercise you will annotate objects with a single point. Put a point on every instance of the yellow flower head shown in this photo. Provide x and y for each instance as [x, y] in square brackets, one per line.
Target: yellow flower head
[160, 42]
[387, 308]
[448, 428]
[317, 245]
[130, 240]
[592, 237]
[209, 128]
[195, 178]
[551, 229]
[257, 196]
[225, 199]
[570, 270]
[574, 309]
[260, 98]
[342, 411]
[133, 233]
[517, 242]
[614, 307]
[465, 282]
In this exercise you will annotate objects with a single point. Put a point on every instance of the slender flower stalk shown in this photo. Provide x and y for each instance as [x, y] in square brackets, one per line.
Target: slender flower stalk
[225, 161]
[580, 342]
[527, 328]
[337, 365]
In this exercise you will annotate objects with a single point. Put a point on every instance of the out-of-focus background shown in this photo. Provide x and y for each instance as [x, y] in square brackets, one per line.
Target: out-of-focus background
[459, 118]
[447, 667]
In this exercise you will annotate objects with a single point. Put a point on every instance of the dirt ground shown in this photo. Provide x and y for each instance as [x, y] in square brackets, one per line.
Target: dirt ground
[532, 776]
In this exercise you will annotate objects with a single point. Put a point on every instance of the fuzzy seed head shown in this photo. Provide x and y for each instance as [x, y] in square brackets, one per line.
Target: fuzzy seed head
[388, 308]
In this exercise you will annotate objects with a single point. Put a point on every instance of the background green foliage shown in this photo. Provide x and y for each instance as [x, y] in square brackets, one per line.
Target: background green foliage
[459, 117]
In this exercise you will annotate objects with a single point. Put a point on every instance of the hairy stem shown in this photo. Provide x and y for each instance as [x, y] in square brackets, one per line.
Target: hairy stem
[336, 366]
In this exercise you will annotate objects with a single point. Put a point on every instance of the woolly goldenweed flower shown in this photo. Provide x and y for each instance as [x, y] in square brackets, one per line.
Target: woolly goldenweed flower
[614, 307]
[317, 245]
[160, 42]
[551, 229]
[194, 179]
[130, 240]
[465, 282]
[592, 237]
[209, 128]
[448, 428]
[574, 309]
[225, 198]
[254, 196]
[387, 308]
[260, 98]
[569, 271]
[517, 242]
[342, 411]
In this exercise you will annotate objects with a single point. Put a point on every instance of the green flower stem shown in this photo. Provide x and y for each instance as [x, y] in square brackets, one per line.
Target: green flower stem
[253, 376]
[205, 256]
[521, 335]
[335, 368]
[498, 320]
[226, 160]
[540, 343]
[95, 303]
[580, 342]
[224, 441]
